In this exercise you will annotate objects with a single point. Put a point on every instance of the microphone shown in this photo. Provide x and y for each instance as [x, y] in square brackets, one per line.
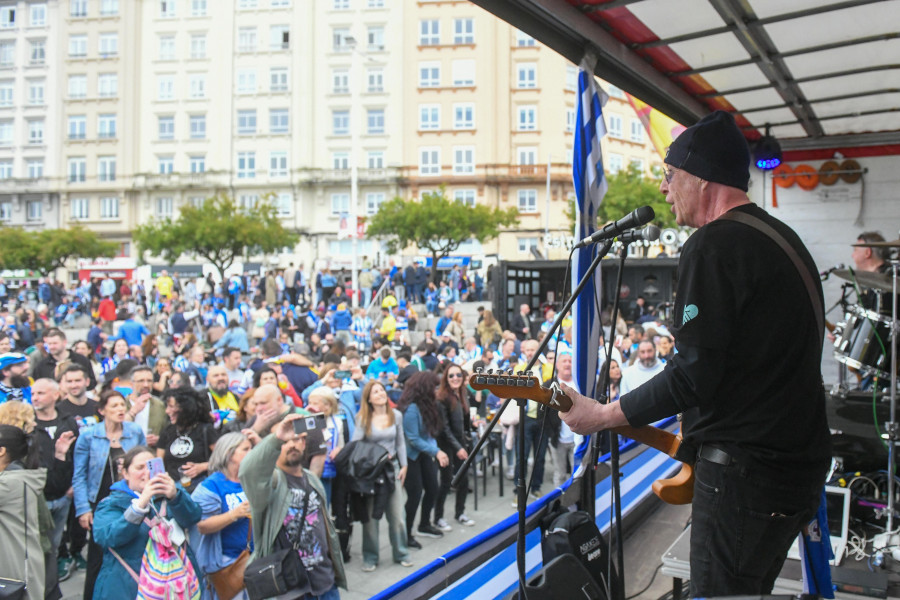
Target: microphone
[637, 218]
[650, 233]
[824, 274]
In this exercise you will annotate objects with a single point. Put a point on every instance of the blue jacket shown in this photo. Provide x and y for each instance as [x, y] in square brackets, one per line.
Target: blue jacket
[342, 320]
[91, 457]
[378, 366]
[118, 526]
[418, 440]
[235, 337]
[132, 332]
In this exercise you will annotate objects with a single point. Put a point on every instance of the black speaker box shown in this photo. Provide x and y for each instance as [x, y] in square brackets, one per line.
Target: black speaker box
[563, 577]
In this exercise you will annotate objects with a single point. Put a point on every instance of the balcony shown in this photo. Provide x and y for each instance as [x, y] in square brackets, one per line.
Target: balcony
[25, 185]
[180, 180]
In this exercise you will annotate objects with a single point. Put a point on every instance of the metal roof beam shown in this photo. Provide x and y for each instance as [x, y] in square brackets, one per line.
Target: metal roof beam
[851, 140]
[765, 86]
[850, 96]
[592, 8]
[849, 115]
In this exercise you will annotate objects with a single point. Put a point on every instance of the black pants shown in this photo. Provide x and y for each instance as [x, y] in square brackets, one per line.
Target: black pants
[536, 441]
[94, 562]
[74, 537]
[421, 475]
[743, 524]
[462, 489]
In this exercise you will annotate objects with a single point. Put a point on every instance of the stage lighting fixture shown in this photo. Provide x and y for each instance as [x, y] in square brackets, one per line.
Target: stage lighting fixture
[767, 152]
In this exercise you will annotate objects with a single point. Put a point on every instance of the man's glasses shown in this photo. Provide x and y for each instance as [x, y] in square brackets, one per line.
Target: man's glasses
[668, 174]
[455, 376]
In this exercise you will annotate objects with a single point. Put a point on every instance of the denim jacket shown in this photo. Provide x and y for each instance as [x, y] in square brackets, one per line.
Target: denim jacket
[418, 440]
[91, 453]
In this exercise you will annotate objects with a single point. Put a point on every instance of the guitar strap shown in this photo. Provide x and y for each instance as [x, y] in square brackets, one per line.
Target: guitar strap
[805, 275]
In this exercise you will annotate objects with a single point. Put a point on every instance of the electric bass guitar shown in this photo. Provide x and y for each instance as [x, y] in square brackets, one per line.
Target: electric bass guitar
[675, 490]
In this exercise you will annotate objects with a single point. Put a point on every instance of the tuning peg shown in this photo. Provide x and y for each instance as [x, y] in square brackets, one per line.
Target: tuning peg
[479, 370]
[520, 373]
[490, 372]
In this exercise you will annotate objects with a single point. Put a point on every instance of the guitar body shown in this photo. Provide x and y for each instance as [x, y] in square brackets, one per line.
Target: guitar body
[675, 490]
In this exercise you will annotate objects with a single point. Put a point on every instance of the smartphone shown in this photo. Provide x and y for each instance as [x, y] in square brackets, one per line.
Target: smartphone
[155, 467]
[342, 374]
[310, 423]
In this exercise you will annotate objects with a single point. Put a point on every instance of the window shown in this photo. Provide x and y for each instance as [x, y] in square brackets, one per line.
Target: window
[166, 127]
[38, 54]
[197, 163]
[36, 92]
[375, 159]
[165, 85]
[340, 161]
[463, 31]
[466, 197]
[375, 39]
[38, 15]
[246, 81]
[615, 92]
[463, 160]
[279, 3]
[463, 72]
[7, 54]
[109, 8]
[527, 201]
[527, 118]
[248, 202]
[108, 85]
[164, 207]
[106, 168]
[278, 120]
[571, 78]
[339, 42]
[5, 206]
[196, 201]
[77, 45]
[375, 121]
[526, 244]
[527, 155]
[278, 164]
[165, 164]
[375, 4]
[570, 119]
[34, 210]
[374, 200]
[80, 208]
[167, 47]
[167, 9]
[429, 117]
[247, 39]
[429, 161]
[77, 127]
[246, 165]
[429, 74]
[246, 121]
[340, 203]
[284, 203]
[197, 86]
[340, 81]
[6, 132]
[524, 40]
[247, 4]
[36, 131]
[6, 168]
[7, 92]
[637, 131]
[614, 162]
[198, 127]
[340, 4]
[340, 122]
[198, 8]
[109, 44]
[7, 17]
[109, 207]
[77, 8]
[429, 32]
[375, 79]
[77, 86]
[35, 168]
[526, 75]
[637, 163]
[77, 169]
[278, 79]
[464, 116]
[198, 45]
[614, 125]
[106, 126]
[280, 37]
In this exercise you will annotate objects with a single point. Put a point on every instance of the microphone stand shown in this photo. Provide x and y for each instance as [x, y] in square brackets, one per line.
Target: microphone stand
[521, 492]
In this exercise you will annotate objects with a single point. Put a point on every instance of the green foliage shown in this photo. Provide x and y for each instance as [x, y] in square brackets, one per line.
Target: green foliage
[436, 224]
[630, 189]
[219, 231]
[47, 250]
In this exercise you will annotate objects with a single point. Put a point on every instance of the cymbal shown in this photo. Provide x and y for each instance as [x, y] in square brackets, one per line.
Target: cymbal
[891, 244]
[868, 279]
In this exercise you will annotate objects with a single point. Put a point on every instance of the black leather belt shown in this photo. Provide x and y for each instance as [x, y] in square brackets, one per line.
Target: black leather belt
[715, 454]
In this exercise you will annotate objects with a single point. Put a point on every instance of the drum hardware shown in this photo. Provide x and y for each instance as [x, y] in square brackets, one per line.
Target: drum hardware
[869, 279]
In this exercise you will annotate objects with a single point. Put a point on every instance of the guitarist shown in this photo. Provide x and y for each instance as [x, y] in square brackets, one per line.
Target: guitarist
[754, 410]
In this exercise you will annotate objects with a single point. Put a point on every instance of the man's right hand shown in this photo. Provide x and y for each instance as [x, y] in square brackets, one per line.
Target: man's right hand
[265, 419]
[284, 431]
[138, 403]
[86, 520]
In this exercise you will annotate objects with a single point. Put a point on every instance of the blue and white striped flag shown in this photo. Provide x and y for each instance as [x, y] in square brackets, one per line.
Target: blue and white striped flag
[590, 187]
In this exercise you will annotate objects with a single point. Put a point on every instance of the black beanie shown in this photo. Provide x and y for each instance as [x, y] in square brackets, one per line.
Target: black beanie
[713, 149]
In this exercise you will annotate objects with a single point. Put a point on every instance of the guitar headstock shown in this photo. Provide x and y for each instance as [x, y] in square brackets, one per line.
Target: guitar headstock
[505, 384]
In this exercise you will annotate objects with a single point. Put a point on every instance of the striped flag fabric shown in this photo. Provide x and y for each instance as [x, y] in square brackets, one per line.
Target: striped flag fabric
[590, 187]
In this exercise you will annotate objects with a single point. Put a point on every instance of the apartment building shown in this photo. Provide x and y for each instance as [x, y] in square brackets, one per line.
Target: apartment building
[161, 103]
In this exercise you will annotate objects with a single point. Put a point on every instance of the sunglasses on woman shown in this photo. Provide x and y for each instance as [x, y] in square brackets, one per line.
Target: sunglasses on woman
[455, 376]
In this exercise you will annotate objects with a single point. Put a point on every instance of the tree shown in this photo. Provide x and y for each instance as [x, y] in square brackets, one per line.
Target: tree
[630, 189]
[49, 249]
[219, 230]
[436, 224]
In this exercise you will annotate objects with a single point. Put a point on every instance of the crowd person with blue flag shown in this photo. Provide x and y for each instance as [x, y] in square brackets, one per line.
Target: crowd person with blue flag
[747, 373]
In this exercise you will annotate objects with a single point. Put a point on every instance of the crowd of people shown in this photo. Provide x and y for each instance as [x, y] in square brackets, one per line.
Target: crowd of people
[272, 430]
